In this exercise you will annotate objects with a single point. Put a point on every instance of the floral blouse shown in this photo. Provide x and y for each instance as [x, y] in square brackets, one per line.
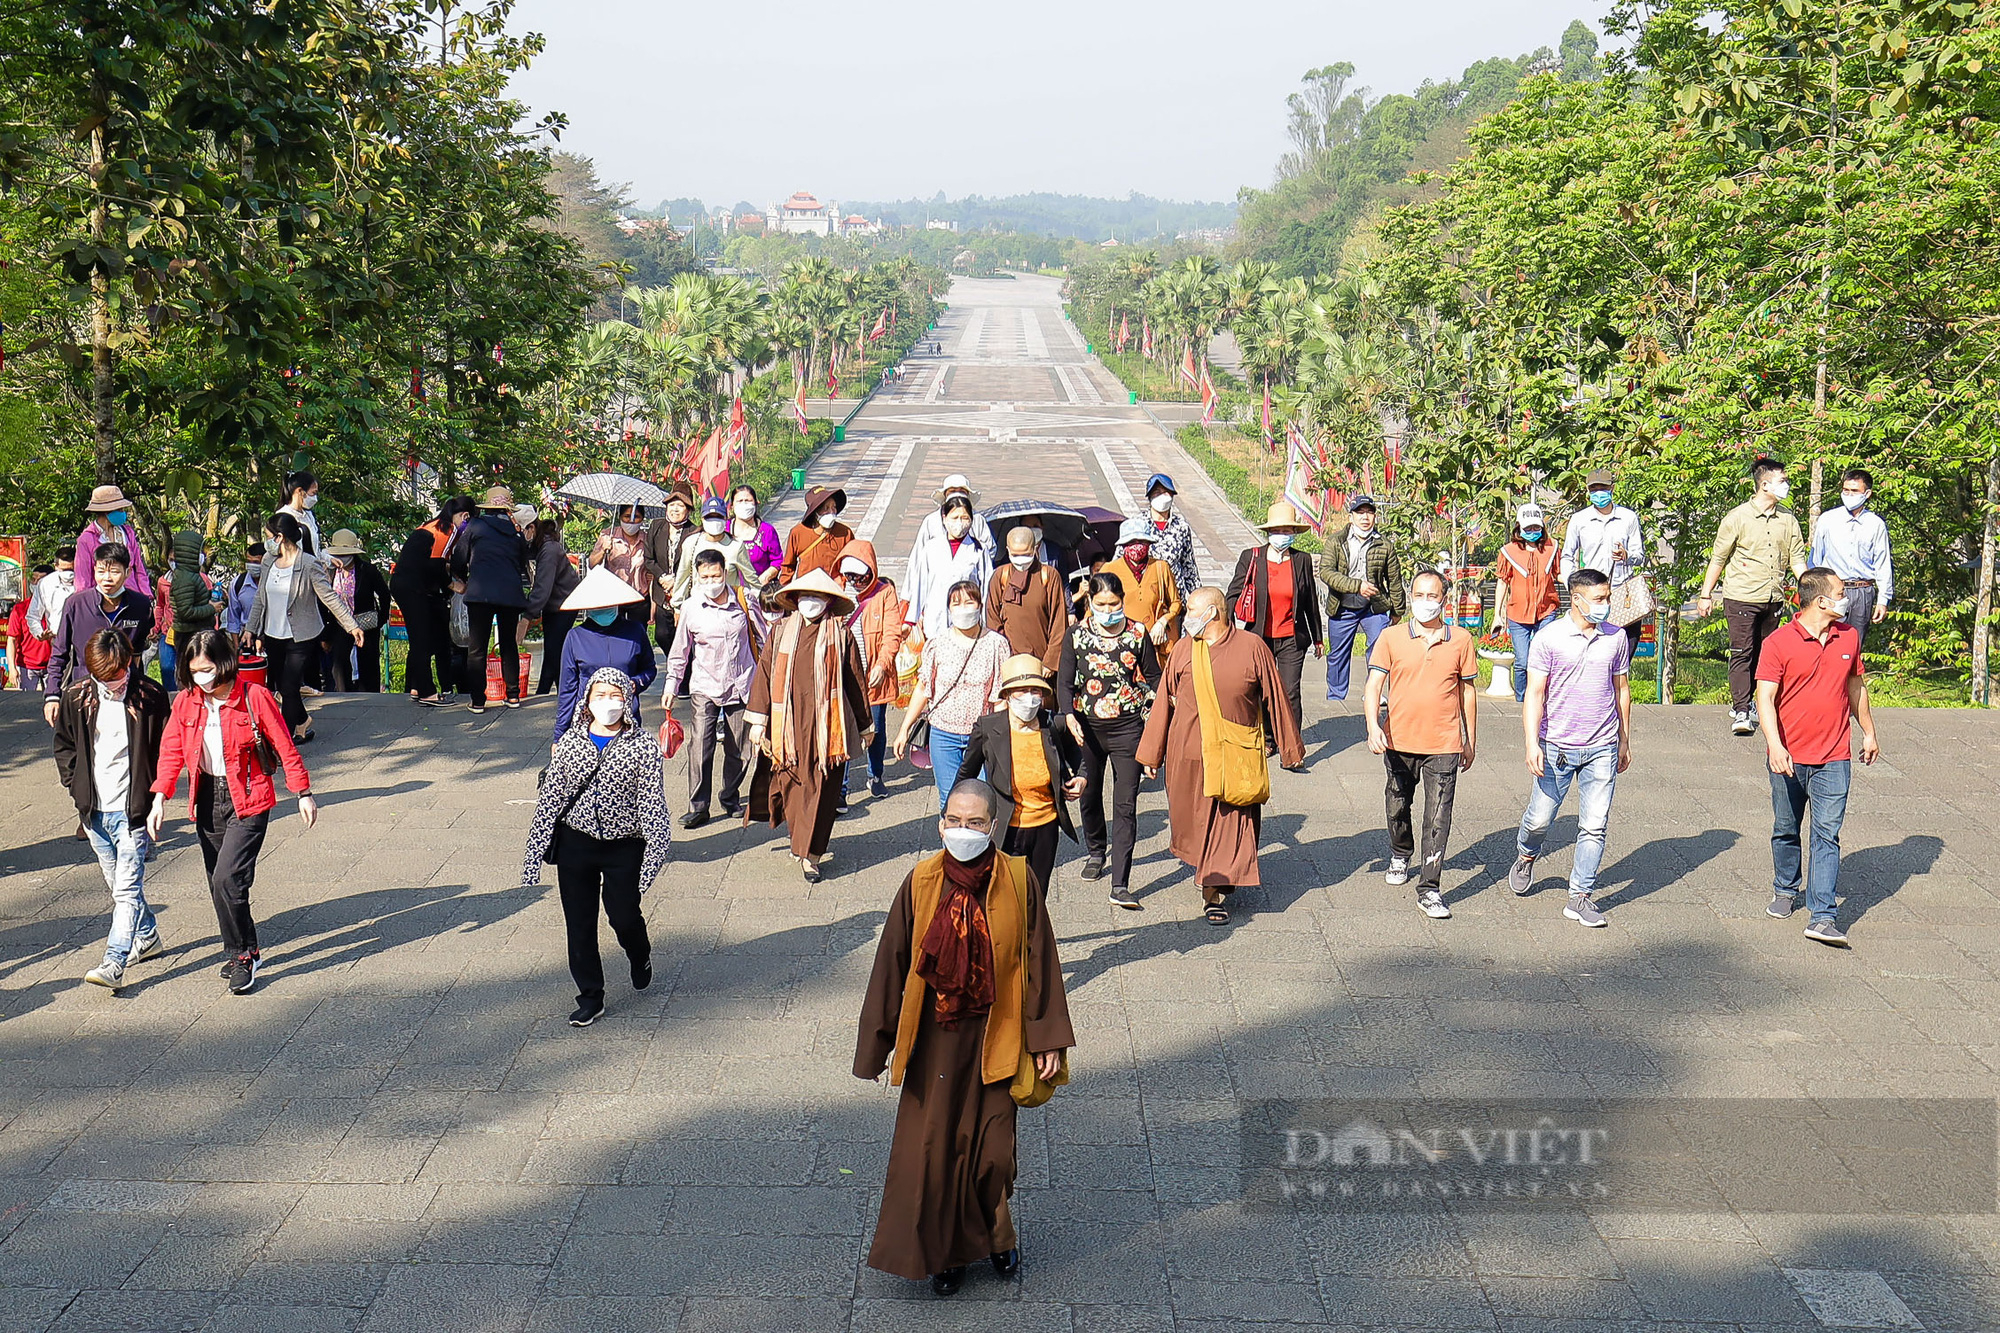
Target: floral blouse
[1105, 675]
[962, 677]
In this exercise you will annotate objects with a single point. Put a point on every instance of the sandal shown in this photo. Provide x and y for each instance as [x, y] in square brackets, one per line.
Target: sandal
[1217, 914]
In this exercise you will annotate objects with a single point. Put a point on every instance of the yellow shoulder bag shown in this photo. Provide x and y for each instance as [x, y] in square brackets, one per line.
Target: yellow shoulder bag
[1232, 753]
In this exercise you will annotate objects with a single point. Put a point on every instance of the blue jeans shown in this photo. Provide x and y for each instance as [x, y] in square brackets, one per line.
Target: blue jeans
[1824, 788]
[1595, 772]
[1340, 630]
[947, 755]
[1523, 637]
[877, 748]
[120, 845]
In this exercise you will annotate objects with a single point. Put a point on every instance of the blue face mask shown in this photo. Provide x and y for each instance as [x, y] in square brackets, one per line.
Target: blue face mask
[1531, 534]
[1109, 620]
[116, 518]
[1281, 541]
[1602, 499]
[1597, 612]
[603, 615]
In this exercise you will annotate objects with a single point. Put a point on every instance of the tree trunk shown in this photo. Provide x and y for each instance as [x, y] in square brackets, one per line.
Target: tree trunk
[1982, 602]
[103, 398]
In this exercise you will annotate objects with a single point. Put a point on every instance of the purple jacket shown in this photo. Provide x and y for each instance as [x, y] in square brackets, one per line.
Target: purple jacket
[766, 552]
[90, 539]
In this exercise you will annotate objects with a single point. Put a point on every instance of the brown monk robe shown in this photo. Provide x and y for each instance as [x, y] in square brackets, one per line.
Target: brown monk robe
[814, 544]
[808, 714]
[954, 997]
[1218, 840]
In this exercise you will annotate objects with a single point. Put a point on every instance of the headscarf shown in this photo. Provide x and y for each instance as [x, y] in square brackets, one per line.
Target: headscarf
[956, 957]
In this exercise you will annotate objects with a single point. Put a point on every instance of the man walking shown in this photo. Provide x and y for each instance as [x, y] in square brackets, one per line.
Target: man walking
[1578, 727]
[1809, 683]
[1359, 566]
[111, 605]
[713, 657]
[1026, 602]
[1757, 544]
[661, 559]
[45, 606]
[1272, 595]
[1432, 734]
[1853, 542]
[1604, 537]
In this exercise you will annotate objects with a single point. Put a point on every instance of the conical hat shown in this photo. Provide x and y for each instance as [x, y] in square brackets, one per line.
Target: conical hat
[601, 588]
[818, 583]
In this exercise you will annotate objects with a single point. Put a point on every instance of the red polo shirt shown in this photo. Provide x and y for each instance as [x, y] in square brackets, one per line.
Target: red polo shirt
[1812, 688]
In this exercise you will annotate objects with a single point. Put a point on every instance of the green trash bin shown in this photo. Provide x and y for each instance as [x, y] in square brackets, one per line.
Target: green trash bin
[840, 434]
[1132, 397]
[1087, 349]
[798, 478]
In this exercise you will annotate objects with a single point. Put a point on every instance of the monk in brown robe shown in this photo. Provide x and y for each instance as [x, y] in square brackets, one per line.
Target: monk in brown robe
[1026, 601]
[808, 713]
[966, 982]
[819, 538]
[1217, 839]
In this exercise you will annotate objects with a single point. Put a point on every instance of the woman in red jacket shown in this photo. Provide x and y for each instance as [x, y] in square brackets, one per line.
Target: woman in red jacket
[217, 727]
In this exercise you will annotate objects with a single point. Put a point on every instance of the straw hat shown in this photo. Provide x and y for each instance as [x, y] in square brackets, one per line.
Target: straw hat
[818, 583]
[1282, 517]
[104, 499]
[1023, 671]
[498, 497]
[344, 542]
[601, 588]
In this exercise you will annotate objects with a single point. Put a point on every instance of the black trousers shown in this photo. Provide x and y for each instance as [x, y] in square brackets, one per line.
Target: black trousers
[1291, 655]
[663, 635]
[1112, 746]
[1750, 623]
[429, 663]
[589, 870]
[556, 626]
[484, 616]
[1038, 845]
[286, 661]
[1439, 775]
[338, 643]
[229, 848]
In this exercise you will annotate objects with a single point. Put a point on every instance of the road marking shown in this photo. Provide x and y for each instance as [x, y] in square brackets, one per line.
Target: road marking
[1113, 478]
[1851, 1298]
[885, 489]
[1032, 338]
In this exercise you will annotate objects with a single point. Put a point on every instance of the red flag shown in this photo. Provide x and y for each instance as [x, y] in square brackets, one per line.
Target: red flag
[1209, 396]
[799, 405]
[1187, 369]
[1124, 331]
[1391, 449]
[881, 326]
[1146, 337]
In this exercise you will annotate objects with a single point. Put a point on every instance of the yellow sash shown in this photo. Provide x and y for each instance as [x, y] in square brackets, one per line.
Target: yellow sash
[1232, 753]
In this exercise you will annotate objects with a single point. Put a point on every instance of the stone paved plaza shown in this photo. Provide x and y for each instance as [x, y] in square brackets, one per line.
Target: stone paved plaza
[398, 1130]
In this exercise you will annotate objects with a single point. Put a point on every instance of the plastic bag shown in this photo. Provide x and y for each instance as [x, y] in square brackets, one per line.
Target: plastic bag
[461, 621]
[671, 736]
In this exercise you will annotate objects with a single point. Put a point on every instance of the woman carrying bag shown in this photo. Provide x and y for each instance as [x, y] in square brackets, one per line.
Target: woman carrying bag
[1104, 685]
[361, 587]
[958, 682]
[285, 619]
[601, 820]
[1032, 766]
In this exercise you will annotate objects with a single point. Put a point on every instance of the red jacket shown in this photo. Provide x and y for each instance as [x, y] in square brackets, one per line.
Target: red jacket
[33, 652]
[251, 790]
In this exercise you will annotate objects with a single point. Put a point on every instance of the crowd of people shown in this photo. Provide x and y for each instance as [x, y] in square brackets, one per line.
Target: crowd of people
[1031, 678]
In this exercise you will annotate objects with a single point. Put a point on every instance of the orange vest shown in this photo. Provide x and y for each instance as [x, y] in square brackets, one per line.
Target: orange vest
[1007, 921]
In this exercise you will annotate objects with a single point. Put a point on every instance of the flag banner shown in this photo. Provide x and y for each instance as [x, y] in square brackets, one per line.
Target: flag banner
[1209, 397]
[1146, 337]
[1303, 464]
[799, 406]
[1267, 414]
[881, 326]
[1187, 369]
[1392, 449]
[1124, 331]
[739, 431]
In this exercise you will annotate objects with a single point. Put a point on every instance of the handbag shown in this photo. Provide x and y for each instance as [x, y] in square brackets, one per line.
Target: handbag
[1030, 1088]
[1631, 601]
[920, 734]
[1234, 770]
[261, 749]
[555, 834]
[1246, 602]
[368, 620]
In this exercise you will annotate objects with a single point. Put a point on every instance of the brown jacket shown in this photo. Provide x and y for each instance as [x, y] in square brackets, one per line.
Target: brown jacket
[1034, 621]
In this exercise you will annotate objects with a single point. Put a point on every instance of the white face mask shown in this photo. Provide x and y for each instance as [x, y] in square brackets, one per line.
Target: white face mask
[1021, 561]
[1839, 608]
[1197, 621]
[606, 712]
[957, 526]
[745, 510]
[202, 679]
[966, 844]
[1853, 502]
[1779, 489]
[1162, 502]
[1025, 704]
[311, 500]
[1425, 609]
[631, 526]
[812, 608]
[828, 519]
[1597, 612]
[713, 526]
[964, 617]
[714, 589]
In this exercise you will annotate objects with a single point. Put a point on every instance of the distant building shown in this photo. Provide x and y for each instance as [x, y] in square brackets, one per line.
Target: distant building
[856, 225]
[940, 224]
[750, 222]
[803, 215]
[638, 226]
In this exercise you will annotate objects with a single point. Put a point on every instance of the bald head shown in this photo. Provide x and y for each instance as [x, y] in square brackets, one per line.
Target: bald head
[971, 800]
[1208, 601]
[1020, 540]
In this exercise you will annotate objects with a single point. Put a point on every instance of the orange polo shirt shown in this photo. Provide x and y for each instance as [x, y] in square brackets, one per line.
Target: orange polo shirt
[1424, 682]
[1034, 793]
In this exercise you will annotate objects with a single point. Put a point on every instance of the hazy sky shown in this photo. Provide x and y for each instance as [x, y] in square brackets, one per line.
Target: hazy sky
[874, 100]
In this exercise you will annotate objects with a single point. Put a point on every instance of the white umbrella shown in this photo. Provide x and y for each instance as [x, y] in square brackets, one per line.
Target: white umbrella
[612, 490]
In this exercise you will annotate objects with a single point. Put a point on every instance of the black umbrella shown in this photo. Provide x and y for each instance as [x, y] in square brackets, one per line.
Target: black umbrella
[1062, 527]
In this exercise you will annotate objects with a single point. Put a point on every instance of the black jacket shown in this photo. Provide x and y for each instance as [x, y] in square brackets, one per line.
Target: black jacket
[146, 710]
[371, 593]
[1308, 627]
[82, 616]
[490, 556]
[991, 748]
[554, 579]
[420, 572]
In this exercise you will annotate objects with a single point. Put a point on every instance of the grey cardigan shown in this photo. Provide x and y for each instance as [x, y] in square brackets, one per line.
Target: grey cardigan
[301, 607]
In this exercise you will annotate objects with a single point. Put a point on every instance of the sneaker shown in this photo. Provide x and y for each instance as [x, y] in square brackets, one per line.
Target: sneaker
[1580, 908]
[1522, 877]
[478, 708]
[734, 809]
[309, 692]
[1399, 871]
[1742, 724]
[145, 949]
[877, 787]
[840, 806]
[1127, 900]
[243, 979]
[513, 703]
[445, 699]
[586, 1014]
[1431, 903]
[1827, 931]
[642, 975]
[1093, 866]
[107, 974]
[1782, 906]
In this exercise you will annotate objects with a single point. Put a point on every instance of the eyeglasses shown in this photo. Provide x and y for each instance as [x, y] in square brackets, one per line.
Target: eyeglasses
[978, 823]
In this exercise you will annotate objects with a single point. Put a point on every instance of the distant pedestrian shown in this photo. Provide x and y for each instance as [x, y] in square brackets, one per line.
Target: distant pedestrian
[490, 563]
[1526, 597]
[879, 631]
[108, 521]
[958, 682]
[621, 547]
[1274, 585]
[188, 593]
[1757, 544]
[107, 743]
[1578, 728]
[286, 621]
[610, 632]
[44, 615]
[301, 498]
[661, 546]
[601, 820]
[953, 546]
[1360, 568]
[760, 539]
[721, 637]
[1605, 536]
[421, 585]
[1033, 766]
[1026, 603]
[1853, 542]
[1431, 674]
[553, 579]
[1104, 687]
[29, 650]
[713, 536]
[1810, 682]
[111, 604]
[230, 738]
[242, 592]
[361, 586]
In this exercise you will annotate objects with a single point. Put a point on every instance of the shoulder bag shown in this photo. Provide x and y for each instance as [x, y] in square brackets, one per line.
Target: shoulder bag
[1030, 1088]
[1234, 770]
[1631, 601]
[555, 831]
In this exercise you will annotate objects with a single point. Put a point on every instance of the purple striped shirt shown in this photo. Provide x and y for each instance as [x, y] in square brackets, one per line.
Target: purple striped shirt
[1581, 709]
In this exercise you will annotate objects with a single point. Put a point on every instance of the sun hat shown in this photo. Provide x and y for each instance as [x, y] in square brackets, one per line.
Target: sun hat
[1023, 671]
[344, 542]
[1161, 481]
[818, 496]
[956, 484]
[1136, 530]
[104, 499]
[601, 588]
[818, 583]
[498, 497]
[1282, 517]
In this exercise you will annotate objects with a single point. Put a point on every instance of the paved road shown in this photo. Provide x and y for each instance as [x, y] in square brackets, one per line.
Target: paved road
[1014, 403]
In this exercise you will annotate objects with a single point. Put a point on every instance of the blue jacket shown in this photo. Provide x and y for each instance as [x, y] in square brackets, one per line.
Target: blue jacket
[242, 596]
[588, 648]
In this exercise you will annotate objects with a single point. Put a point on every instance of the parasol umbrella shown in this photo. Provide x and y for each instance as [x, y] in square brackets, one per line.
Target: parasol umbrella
[613, 491]
[1062, 527]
